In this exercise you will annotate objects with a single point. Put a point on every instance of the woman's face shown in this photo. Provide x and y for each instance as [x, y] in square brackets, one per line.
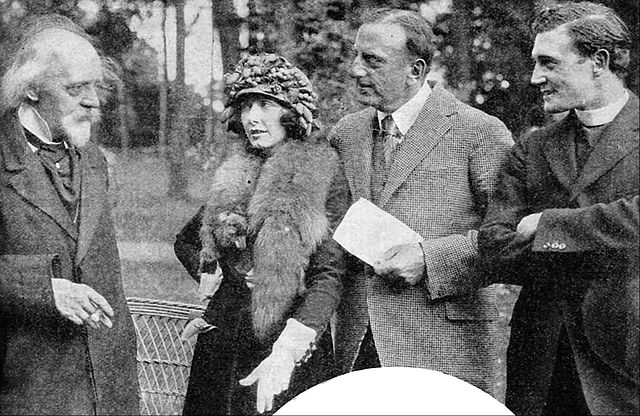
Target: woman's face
[260, 118]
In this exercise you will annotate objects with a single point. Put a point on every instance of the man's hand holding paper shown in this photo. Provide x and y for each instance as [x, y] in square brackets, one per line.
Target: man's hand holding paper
[401, 262]
[379, 239]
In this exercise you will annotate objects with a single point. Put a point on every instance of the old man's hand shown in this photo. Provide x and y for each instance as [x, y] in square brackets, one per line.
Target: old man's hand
[404, 262]
[81, 304]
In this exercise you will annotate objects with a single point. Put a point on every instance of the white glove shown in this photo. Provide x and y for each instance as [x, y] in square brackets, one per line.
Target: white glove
[209, 283]
[274, 373]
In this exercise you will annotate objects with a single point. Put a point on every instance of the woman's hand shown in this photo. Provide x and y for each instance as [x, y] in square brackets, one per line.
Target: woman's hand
[210, 283]
[273, 376]
[294, 345]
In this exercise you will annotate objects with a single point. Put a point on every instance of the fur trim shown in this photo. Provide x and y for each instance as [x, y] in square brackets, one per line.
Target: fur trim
[285, 212]
[224, 218]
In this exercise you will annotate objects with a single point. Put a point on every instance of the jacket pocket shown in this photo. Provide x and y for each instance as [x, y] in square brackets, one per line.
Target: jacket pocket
[475, 311]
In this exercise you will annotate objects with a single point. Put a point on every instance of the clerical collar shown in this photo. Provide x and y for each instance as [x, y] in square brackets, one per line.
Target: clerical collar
[35, 124]
[604, 115]
[407, 114]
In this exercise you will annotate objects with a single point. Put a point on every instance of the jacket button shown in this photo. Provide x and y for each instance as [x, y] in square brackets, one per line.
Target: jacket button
[545, 246]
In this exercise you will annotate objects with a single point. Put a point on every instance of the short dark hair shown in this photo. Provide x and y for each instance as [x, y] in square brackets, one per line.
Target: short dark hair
[417, 29]
[591, 27]
[289, 120]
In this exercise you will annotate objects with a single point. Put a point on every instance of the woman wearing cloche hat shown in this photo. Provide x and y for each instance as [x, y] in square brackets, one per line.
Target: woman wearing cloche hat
[262, 251]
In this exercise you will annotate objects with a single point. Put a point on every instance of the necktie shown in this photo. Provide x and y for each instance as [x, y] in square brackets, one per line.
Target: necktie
[60, 163]
[391, 136]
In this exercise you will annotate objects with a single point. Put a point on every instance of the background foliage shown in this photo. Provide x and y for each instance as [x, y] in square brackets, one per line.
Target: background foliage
[483, 57]
[163, 138]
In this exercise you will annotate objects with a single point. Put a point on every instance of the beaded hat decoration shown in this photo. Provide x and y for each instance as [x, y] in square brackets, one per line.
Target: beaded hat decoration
[272, 76]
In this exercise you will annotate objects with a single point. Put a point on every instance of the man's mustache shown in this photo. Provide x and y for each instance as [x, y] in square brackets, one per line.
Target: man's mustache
[92, 116]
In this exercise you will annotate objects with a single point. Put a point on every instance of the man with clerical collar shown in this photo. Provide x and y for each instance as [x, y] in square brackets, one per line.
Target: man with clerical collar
[431, 161]
[68, 343]
[564, 224]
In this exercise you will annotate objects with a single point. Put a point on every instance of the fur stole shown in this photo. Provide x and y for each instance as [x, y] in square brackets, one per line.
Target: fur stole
[280, 202]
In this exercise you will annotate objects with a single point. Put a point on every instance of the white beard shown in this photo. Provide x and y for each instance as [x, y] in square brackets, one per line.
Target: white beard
[78, 133]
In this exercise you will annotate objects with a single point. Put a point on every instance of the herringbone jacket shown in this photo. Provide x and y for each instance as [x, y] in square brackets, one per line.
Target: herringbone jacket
[439, 183]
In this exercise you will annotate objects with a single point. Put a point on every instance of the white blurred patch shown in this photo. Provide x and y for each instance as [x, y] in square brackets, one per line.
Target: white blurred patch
[394, 391]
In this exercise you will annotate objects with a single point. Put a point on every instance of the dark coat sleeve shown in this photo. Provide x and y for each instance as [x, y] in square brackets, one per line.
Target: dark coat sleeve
[187, 246]
[25, 286]
[327, 265]
[593, 228]
[505, 256]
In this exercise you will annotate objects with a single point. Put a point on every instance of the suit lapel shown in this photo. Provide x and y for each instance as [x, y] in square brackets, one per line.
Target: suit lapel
[432, 123]
[93, 191]
[29, 178]
[560, 151]
[358, 157]
[617, 140]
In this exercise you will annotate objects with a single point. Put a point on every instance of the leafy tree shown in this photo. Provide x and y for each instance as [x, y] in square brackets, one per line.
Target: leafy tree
[315, 35]
[485, 48]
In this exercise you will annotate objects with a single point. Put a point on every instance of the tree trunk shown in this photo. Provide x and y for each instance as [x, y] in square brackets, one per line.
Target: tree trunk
[162, 89]
[178, 125]
[123, 128]
[227, 24]
[209, 128]
[285, 18]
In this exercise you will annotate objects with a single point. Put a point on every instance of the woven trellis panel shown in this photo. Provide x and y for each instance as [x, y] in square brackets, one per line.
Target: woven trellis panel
[164, 361]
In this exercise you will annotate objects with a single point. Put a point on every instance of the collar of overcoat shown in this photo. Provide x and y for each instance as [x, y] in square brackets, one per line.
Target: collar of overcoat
[430, 126]
[618, 139]
[27, 176]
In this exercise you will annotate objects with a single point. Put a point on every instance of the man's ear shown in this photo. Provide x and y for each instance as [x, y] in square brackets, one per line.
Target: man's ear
[32, 93]
[419, 69]
[601, 61]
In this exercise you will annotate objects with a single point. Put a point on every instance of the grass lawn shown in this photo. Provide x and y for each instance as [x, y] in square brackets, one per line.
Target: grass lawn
[147, 222]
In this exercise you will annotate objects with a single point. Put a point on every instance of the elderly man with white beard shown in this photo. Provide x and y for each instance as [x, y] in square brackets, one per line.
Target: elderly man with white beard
[67, 342]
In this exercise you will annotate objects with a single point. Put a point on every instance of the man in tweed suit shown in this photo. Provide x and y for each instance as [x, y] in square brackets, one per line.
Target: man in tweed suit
[564, 223]
[433, 166]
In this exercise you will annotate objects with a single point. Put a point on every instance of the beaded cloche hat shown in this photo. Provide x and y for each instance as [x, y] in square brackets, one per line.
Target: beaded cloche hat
[272, 76]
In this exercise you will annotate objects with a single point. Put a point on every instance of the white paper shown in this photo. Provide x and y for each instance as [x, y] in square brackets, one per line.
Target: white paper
[367, 231]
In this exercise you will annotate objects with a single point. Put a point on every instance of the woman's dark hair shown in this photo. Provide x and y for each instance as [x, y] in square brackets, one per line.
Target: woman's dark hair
[289, 120]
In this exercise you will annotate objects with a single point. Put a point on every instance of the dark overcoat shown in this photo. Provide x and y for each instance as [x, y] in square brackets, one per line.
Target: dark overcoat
[296, 172]
[47, 363]
[580, 272]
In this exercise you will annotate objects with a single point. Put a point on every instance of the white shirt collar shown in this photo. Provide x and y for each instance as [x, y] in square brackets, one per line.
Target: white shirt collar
[407, 114]
[604, 115]
[32, 121]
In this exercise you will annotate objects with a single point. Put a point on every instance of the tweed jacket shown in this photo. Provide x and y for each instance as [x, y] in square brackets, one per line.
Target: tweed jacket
[49, 365]
[439, 183]
[581, 269]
